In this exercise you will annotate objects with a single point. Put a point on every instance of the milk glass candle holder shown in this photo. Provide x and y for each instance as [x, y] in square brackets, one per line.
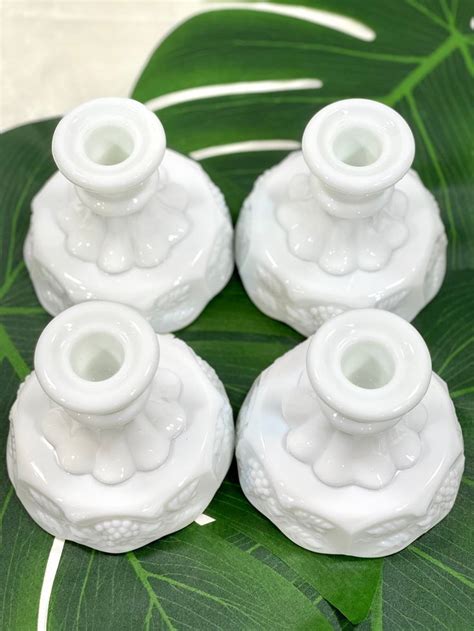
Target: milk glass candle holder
[119, 436]
[350, 443]
[126, 219]
[342, 224]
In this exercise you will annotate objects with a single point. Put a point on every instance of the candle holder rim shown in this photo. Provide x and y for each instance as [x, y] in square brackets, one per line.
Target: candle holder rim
[397, 148]
[403, 390]
[135, 371]
[141, 125]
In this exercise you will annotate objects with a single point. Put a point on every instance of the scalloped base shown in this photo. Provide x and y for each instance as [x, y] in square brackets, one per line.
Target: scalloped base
[149, 505]
[301, 294]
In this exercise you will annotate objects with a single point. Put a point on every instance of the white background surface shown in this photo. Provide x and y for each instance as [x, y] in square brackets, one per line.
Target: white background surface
[56, 54]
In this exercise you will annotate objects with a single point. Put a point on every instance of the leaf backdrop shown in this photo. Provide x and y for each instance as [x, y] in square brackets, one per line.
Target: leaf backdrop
[239, 572]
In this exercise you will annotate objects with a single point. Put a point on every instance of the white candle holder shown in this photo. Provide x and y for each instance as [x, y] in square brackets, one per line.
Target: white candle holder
[119, 436]
[343, 223]
[349, 443]
[127, 220]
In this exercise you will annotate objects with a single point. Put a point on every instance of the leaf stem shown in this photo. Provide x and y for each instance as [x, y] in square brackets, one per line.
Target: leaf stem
[6, 501]
[142, 576]
[376, 618]
[405, 87]
[9, 351]
[449, 570]
[437, 167]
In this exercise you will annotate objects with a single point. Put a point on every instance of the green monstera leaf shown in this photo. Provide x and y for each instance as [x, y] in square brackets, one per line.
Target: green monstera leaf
[209, 83]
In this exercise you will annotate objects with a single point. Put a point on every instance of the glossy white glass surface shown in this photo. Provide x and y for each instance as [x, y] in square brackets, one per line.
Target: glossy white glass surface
[343, 223]
[127, 220]
[119, 436]
[349, 443]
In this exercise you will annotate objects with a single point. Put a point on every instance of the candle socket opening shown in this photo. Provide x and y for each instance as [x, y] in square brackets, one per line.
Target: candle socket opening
[368, 365]
[357, 147]
[108, 145]
[97, 356]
